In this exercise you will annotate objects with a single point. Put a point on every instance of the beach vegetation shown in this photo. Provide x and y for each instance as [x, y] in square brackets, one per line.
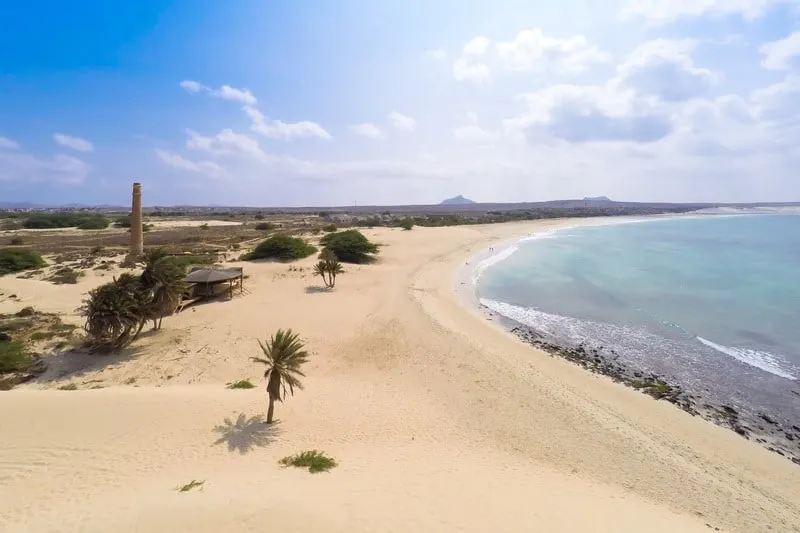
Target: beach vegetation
[17, 241]
[65, 276]
[281, 248]
[65, 220]
[241, 384]
[314, 460]
[264, 226]
[330, 228]
[350, 246]
[163, 279]
[19, 259]
[193, 484]
[407, 224]
[283, 356]
[25, 312]
[69, 386]
[14, 356]
[328, 268]
[123, 222]
[259, 217]
[116, 312]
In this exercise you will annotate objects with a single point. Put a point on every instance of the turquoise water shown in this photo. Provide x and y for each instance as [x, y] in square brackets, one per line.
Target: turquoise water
[700, 298]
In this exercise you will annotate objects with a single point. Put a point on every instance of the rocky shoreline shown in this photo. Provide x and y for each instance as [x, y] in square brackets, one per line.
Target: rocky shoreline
[781, 437]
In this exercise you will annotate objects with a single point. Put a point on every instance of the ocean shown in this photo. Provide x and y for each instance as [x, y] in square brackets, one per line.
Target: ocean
[710, 302]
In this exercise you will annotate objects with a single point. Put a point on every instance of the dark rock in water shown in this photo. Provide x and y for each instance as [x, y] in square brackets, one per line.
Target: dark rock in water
[796, 428]
[789, 436]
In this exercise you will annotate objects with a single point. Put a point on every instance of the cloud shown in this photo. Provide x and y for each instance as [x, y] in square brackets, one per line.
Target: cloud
[226, 142]
[207, 168]
[590, 113]
[226, 92]
[440, 54]
[474, 134]
[76, 143]
[366, 129]
[660, 12]
[531, 50]
[783, 54]
[664, 68]
[401, 122]
[277, 129]
[193, 86]
[469, 67]
[8, 144]
[244, 96]
[61, 168]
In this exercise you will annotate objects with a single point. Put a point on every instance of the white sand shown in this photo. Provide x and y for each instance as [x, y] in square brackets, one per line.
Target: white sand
[440, 421]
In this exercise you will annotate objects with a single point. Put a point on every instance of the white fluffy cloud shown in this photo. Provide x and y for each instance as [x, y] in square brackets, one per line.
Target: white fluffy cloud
[401, 122]
[8, 144]
[783, 54]
[664, 68]
[207, 168]
[276, 129]
[226, 92]
[76, 143]
[666, 11]
[532, 50]
[470, 66]
[366, 129]
[474, 134]
[226, 142]
[60, 168]
[439, 54]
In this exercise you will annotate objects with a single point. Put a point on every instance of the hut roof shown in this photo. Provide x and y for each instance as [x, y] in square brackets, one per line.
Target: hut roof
[213, 275]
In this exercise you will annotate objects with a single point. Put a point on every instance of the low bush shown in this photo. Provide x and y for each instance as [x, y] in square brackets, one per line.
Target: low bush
[123, 222]
[264, 226]
[93, 222]
[259, 217]
[65, 276]
[241, 384]
[350, 246]
[330, 228]
[17, 241]
[314, 460]
[14, 357]
[282, 248]
[407, 224]
[19, 259]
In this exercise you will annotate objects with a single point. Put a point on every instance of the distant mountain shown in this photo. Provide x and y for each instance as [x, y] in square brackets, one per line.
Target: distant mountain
[456, 200]
[596, 199]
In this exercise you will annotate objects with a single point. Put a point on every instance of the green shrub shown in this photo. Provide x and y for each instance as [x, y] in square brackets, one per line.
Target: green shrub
[204, 225]
[17, 241]
[406, 224]
[350, 246]
[259, 217]
[282, 248]
[313, 460]
[69, 386]
[17, 260]
[65, 220]
[264, 226]
[65, 276]
[123, 222]
[241, 384]
[186, 261]
[26, 311]
[93, 222]
[14, 357]
[330, 228]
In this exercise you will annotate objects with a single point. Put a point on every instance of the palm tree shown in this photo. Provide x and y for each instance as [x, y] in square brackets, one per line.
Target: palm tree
[163, 278]
[283, 357]
[328, 268]
[116, 312]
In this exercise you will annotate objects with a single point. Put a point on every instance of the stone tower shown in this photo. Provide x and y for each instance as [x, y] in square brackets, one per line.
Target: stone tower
[137, 238]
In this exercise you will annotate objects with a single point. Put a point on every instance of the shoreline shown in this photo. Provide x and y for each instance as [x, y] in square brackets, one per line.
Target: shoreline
[762, 427]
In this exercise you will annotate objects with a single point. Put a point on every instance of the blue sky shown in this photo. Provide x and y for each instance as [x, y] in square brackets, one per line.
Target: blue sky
[376, 102]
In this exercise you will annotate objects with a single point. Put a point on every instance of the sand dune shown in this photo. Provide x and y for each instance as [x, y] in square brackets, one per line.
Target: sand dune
[440, 421]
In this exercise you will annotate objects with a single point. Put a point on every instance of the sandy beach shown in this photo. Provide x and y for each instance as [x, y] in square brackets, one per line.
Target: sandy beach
[440, 419]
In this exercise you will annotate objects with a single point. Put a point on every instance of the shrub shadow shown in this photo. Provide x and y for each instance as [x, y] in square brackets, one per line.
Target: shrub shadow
[314, 289]
[245, 434]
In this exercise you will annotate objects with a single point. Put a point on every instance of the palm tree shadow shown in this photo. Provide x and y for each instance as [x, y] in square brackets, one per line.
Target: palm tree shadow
[246, 433]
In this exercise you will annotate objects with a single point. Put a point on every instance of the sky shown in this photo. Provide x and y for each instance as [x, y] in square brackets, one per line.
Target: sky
[379, 102]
